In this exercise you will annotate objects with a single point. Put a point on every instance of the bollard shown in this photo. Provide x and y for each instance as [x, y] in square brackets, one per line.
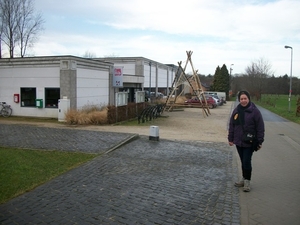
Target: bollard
[154, 133]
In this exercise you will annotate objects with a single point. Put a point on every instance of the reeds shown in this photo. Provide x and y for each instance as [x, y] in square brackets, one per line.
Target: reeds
[89, 114]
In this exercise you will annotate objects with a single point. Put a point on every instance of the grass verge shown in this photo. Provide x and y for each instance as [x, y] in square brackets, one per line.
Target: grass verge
[279, 105]
[22, 170]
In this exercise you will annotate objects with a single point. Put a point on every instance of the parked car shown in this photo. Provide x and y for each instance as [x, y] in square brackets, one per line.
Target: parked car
[152, 95]
[159, 95]
[211, 102]
[194, 101]
[217, 100]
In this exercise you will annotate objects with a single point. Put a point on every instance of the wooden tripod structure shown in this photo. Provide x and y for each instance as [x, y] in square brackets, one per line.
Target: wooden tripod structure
[193, 82]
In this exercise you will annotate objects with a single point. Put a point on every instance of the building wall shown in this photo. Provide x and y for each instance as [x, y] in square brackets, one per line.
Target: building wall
[140, 73]
[83, 81]
[68, 84]
[162, 79]
[16, 77]
[136, 73]
[92, 87]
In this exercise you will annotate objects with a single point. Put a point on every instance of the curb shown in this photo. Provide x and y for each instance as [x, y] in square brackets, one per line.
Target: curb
[131, 138]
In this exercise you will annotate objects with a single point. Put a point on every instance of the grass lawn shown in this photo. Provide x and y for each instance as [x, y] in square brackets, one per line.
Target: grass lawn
[279, 104]
[22, 170]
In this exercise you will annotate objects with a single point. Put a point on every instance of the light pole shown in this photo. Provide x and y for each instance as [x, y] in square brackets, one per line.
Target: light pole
[290, 93]
[231, 69]
[150, 81]
[230, 80]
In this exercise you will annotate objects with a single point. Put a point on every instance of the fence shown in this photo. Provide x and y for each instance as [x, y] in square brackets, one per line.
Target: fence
[126, 112]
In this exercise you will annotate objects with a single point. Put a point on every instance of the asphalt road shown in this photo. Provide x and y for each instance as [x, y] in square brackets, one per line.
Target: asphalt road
[275, 195]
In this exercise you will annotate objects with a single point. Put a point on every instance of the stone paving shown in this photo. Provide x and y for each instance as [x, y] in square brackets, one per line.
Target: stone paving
[141, 182]
[25, 136]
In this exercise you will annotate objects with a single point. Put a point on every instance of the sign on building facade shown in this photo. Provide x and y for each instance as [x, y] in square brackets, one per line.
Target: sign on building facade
[118, 77]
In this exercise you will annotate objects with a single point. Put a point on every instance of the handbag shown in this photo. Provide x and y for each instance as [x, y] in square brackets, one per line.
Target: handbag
[248, 137]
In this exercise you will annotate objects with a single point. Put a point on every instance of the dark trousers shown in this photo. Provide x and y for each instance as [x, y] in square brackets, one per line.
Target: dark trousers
[246, 157]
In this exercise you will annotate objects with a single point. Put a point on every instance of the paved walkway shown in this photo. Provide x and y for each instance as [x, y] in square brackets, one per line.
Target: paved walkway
[141, 182]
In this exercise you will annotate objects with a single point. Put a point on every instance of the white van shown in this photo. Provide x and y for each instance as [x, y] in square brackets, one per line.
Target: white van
[220, 94]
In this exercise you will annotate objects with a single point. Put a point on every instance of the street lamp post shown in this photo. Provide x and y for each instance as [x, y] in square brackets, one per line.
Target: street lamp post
[231, 69]
[150, 81]
[230, 80]
[290, 92]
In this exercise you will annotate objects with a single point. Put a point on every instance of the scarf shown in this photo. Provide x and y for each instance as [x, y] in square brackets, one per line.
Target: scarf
[239, 117]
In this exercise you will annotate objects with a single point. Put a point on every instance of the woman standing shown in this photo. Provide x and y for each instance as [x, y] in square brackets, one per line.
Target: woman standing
[246, 131]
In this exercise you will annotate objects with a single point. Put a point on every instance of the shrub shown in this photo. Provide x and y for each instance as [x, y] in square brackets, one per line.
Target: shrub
[71, 116]
[98, 117]
[89, 114]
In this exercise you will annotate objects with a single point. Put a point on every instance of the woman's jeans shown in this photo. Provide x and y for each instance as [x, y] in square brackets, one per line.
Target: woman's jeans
[245, 154]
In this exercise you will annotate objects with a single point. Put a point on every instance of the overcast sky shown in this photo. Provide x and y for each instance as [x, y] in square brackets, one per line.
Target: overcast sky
[217, 31]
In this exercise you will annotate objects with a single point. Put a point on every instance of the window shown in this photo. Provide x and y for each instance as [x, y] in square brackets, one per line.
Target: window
[51, 97]
[28, 96]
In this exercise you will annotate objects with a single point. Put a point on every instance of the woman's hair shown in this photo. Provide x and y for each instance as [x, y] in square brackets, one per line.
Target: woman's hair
[244, 93]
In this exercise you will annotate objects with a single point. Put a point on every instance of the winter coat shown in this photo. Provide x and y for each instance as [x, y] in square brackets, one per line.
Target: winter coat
[253, 123]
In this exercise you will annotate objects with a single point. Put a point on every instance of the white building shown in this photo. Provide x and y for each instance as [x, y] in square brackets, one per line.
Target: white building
[140, 73]
[34, 85]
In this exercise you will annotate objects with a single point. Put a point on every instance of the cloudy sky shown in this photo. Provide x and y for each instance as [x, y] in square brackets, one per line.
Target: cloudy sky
[217, 31]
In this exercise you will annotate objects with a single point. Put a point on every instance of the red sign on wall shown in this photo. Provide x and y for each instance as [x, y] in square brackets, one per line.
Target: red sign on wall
[118, 77]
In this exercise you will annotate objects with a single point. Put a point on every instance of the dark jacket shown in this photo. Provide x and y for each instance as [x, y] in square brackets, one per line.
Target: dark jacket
[253, 123]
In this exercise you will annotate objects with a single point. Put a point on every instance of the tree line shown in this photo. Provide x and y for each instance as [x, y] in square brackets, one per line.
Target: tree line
[258, 79]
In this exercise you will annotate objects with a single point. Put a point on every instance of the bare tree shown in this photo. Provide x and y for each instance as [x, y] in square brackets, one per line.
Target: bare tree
[20, 25]
[112, 55]
[9, 19]
[1, 31]
[256, 74]
[29, 26]
[89, 55]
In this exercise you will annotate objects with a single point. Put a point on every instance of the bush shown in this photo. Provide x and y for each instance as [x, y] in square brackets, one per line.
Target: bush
[99, 117]
[89, 114]
[95, 115]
